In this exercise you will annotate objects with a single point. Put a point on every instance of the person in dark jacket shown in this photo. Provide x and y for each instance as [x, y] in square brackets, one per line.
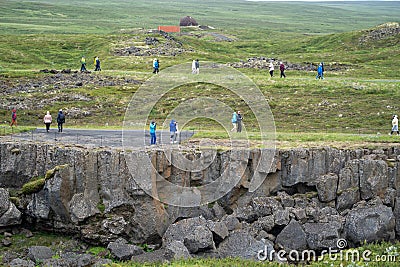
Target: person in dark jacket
[60, 120]
[282, 69]
[239, 119]
[97, 64]
[173, 130]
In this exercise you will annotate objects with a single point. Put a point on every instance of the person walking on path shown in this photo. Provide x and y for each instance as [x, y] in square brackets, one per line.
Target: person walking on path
[173, 130]
[97, 64]
[197, 64]
[395, 125]
[320, 71]
[194, 66]
[13, 118]
[271, 69]
[153, 127]
[60, 120]
[156, 66]
[83, 64]
[282, 69]
[239, 119]
[234, 121]
[47, 120]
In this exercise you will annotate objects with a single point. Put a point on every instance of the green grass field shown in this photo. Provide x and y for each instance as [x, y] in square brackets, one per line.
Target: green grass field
[357, 99]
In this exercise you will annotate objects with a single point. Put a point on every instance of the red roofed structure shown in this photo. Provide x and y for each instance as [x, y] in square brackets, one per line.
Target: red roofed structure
[169, 28]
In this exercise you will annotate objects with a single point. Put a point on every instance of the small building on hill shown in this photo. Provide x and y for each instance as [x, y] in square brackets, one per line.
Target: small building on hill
[188, 21]
[169, 28]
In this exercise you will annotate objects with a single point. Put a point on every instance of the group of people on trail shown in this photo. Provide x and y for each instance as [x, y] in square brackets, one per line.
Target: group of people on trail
[195, 66]
[237, 121]
[47, 120]
[173, 130]
[96, 63]
[281, 68]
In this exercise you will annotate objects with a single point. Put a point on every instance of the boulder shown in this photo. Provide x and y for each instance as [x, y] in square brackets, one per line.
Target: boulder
[264, 223]
[178, 230]
[176, 250]
[240, 244]
[327, 187]
[322, 235]
[121, 250]
[282, 217]
[292, 237]
[40, 253]
[219, 230]
[200, 239]
[156, 256]
[374, 223]
[102, 263]
[21, 263]
[374, 179]
[76, 259]
[4, 201]
[11, 217]
[348, 187]
[347, 198]
[82, 207]
[232, 223]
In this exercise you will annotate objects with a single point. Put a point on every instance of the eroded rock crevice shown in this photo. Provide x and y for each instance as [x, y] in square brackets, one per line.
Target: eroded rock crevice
[309, 199]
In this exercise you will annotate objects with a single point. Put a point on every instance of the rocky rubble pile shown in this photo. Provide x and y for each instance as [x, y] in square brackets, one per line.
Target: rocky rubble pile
[154, 47]
[310, 199]
[263, 63]
[50, 88]
[381, 32]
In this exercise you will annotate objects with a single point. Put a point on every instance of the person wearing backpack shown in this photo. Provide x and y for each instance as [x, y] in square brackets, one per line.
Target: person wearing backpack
[60, 120]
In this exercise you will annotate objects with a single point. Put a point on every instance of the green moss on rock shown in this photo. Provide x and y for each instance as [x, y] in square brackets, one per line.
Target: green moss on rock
[15, 200]
[50, 173]
[33, 186]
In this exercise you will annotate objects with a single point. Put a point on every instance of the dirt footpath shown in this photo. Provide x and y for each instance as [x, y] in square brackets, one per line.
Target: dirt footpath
[97, 138]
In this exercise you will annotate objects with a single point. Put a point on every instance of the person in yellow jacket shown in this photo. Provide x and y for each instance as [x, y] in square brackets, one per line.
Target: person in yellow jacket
[83, 64]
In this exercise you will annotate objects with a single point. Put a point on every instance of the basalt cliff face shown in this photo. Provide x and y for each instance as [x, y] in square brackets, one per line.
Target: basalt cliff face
[310, 198]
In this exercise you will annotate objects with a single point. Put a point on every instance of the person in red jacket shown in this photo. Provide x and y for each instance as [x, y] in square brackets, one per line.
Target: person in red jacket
[282, 69]
[13, 117]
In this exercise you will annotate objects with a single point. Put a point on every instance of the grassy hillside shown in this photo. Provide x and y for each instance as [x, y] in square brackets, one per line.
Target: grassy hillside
[99, 17]
[359, 94]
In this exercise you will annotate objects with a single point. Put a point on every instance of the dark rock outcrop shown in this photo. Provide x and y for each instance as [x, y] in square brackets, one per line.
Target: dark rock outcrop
[188, 21]
[310, 199]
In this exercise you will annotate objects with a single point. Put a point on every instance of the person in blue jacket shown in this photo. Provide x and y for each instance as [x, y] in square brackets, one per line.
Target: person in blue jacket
[320, 71]
[156, 66]
[173, 130]
[234, 121]
[153, 126]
